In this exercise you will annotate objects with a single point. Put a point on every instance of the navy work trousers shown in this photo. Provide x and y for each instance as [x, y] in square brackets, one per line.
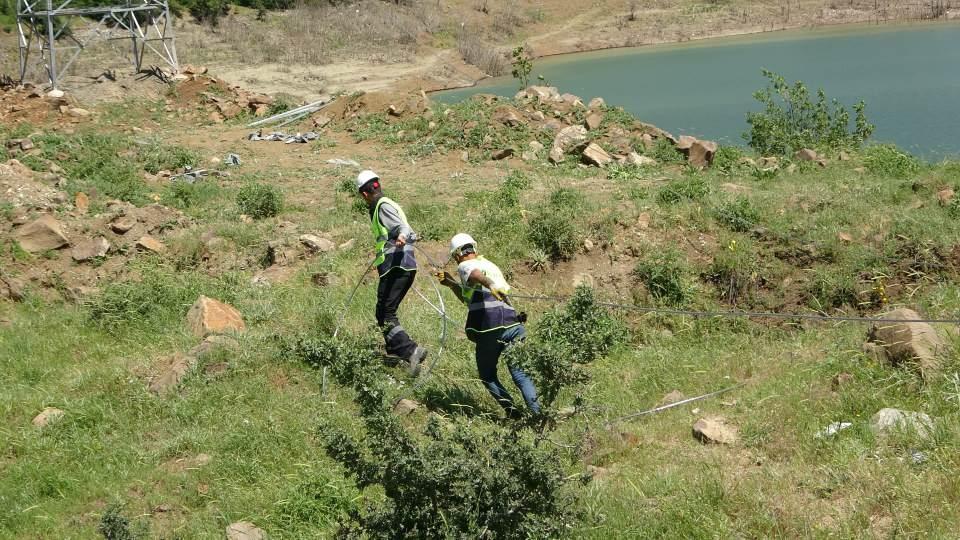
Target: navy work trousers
[490, 346]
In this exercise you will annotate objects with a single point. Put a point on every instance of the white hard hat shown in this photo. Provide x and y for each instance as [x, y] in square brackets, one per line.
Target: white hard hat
[364, 177]
[459, 240]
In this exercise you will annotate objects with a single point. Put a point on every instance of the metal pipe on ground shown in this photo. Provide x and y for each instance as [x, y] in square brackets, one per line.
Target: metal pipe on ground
[303, 110]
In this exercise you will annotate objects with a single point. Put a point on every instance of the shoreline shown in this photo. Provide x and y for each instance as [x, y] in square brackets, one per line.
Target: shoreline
[889, 25]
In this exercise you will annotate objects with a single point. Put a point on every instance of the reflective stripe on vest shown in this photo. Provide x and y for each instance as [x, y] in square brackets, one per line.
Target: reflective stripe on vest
[388, 255]
[486, 313]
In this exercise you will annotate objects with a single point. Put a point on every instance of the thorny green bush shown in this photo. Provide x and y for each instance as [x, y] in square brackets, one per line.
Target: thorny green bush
[259, 200]
[455, 479]
[888, 160]
[664, 276]
[577, 333]
[116, 526]
[791, 120]
[554, 228]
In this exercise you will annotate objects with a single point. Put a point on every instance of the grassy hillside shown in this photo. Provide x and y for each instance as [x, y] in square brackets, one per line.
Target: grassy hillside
[240, 437]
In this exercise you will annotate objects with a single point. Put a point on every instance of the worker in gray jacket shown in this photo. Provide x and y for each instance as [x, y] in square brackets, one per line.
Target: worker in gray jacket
[396, 266]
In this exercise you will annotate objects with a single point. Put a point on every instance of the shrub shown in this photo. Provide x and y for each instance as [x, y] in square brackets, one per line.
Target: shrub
[665, 152]
[664, 276]
[727, 159]
[583, 326]
[692, 188]
[791, 120]
[554, 229]
[259, 200]
[184, 195]
[735, 271]
[456, 479]
[739, 215]
[115, 526]
[832, 288]
[888, 160]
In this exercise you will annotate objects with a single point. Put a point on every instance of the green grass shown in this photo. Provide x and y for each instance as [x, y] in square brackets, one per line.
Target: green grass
[773, 244]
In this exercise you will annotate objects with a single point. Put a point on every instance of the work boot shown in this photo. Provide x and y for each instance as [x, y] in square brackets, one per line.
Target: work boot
[416, 359]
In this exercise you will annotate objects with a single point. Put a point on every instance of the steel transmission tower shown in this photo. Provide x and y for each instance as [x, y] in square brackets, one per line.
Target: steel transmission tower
[44, 31]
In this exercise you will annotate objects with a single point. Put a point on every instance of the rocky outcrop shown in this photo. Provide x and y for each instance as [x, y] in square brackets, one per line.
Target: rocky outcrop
[317, 244]
[891, 420]
[914, 343]
[715, 430]
[43, 234]
[90, 249]
[699, 153]
[47, 416]
[244, 530]
[593, 154]
[209, 316]
[568, 140]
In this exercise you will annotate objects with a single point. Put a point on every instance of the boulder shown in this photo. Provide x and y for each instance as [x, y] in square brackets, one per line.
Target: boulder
[595, 155]
[569, 139]
[507, 116]
[501, 154]
[317, 244]
[699, 153]
[543, 93]
[806, 154]
[535, 146]
[571, 100]
[47, 417]
[149, 243]
[11, 289]
[405, 407]
[634, 158]
[908, 342]
[244, 530]
[211, 343]
[672, 397]
[82, 202]
[43, 234]
[945, 196]
[90, 249]
[209, 316]
[348, 244]
[122, 224]
[715, 430]
[593, 120]
[78, 112]
[596, 103]
[173, 370]
[887, 420]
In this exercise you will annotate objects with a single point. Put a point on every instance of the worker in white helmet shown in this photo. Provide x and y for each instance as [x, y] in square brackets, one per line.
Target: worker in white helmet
[492, 323]
[396, 266]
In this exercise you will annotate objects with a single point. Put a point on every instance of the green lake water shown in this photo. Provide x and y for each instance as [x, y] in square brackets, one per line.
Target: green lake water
[908, 75]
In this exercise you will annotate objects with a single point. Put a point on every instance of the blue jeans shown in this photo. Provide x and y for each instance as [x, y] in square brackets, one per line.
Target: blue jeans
[489, 348]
